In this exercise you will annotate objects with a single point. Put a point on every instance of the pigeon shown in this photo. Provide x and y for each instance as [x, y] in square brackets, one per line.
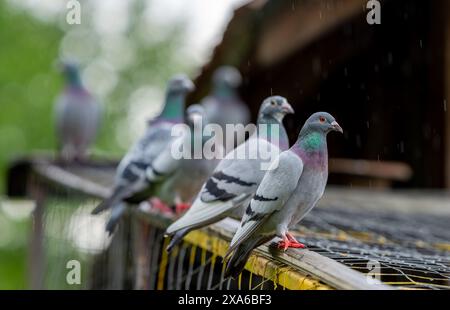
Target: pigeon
[224, 106]
[286, 193]
[177, 174]
[131, 171]
[237, 176]
[77, 115]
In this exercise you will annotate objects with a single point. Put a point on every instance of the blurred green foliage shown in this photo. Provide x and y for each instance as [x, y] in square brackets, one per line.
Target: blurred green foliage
[13, 246]
[29, 85]
[29, 82]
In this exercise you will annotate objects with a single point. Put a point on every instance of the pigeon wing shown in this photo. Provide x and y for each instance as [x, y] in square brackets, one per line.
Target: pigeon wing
[165, 163]
[275, 189]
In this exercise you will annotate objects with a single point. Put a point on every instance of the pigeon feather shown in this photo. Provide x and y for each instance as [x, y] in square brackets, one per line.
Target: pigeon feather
[131, 176]
[237, 176]
[287, 192]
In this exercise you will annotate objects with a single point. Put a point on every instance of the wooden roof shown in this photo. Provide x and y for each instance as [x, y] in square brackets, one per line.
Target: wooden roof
[323, 55]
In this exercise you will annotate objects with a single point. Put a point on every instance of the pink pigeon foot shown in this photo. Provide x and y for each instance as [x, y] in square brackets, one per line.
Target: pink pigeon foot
[290, 242]
[157, 204]
[181, 207]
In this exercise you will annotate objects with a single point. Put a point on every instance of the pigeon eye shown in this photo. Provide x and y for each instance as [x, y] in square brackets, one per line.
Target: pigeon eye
[273, 103]
[322, 119]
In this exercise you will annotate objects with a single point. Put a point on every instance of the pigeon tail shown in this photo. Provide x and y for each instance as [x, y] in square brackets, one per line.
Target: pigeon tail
[237, 261]
[109, 202]
[241, 254]
[116, 215]
[177, 238]
[201, 214]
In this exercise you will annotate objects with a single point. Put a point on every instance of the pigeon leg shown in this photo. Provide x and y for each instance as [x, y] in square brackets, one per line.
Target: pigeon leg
[284, 244]
[157, 204]
[290, 242]
[293, 242]
[181, 207]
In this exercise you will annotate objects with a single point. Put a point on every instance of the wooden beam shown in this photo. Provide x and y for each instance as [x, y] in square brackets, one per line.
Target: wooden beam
[36, 255]
[405, 201]
[397, 171]
[62, 177]
[259, 263]
[141, 238]
[328, 271]
[301, 24]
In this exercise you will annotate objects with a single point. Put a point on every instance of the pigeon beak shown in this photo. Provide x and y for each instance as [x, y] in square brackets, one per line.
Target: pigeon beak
[287, 108]
[336, 127]
[189, 85]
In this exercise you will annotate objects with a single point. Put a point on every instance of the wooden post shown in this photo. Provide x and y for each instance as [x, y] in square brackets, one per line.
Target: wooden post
[117, 258]
[141, 231]
[36, 263]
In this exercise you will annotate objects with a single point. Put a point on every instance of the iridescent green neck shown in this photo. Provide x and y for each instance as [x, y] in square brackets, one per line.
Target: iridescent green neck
[312, 141]
[73, 78]
[174, 107]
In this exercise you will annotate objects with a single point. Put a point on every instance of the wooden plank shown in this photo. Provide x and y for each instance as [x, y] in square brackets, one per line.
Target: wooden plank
[377, 169]
[303, 23]
[332, 273]
[140, 237]
[406, 201]
[258, 264]
[327, 270]
[36, 257]
[69, 180]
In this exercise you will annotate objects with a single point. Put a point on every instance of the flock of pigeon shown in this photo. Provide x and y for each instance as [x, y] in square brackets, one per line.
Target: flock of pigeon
[204, 191]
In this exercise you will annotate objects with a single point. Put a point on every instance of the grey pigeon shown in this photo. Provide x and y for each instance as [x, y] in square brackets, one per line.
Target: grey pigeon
[224, 106]
[177, 178]
[77, 115]
[131, 171]
[237, 176]
[286, 193]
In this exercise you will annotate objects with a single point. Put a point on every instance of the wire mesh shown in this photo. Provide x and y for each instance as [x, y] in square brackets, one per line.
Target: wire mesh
[406, 250]
[410, 250]
[188, 267]
[70, 238]
[134, 258]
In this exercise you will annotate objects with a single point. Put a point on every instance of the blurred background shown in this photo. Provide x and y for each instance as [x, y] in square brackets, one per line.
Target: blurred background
[127, 49]
[386, 84]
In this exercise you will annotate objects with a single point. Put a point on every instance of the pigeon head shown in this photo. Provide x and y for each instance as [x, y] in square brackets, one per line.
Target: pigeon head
[196, 114]
[321, 122]
[227, 76]
[197, 119]
[177, 89]
[180, 84]
[276, 107]
[71, 71]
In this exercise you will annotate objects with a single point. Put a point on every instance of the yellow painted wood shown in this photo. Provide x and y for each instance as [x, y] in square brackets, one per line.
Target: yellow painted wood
[162, 266]
[443, 246]
[258, 265]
